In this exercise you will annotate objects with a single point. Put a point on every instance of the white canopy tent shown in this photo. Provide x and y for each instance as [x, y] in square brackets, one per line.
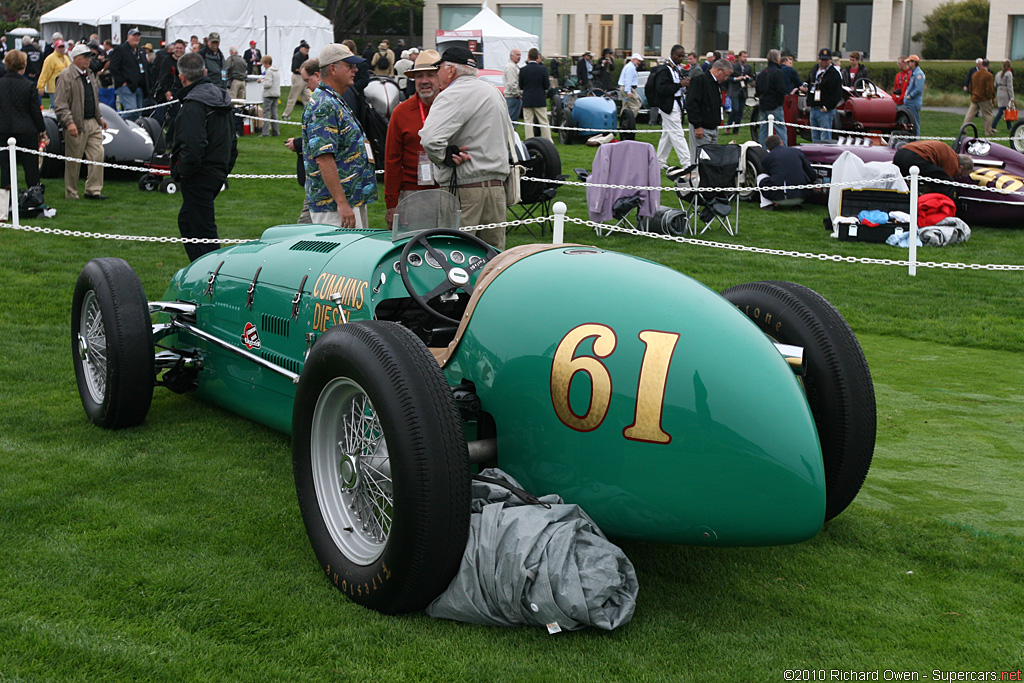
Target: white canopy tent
[237, 22]
[499, 37]
[78, 18]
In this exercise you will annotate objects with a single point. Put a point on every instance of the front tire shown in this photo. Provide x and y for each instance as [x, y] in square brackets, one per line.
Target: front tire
[381, 466]
[1017, 136]
[836, 378]
[627, 122]
[112, 344]
[752, 168]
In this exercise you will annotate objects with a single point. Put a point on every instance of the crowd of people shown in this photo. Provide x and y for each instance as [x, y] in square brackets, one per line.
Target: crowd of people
[451, 131]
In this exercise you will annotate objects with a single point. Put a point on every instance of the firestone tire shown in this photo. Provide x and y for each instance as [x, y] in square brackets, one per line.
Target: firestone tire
[381, 466]
[837, 379]
[753, 168]
[1017, 136]
[627, 122]
[112, 344]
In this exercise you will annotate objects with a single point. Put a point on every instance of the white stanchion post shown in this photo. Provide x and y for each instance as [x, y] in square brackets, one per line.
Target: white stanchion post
[558, 231]
[15, 218]
[914, 172]
[771, 124]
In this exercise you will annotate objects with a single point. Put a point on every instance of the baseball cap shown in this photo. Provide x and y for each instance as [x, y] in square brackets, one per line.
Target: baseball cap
[336, 52]
[425, 62]
[80, 49]
[252, 42]
[914, 58]
[824, 53]
[457, 55]
[134, 32]
[636, 55]
[709, 56]
[213, 37]
[58, 43]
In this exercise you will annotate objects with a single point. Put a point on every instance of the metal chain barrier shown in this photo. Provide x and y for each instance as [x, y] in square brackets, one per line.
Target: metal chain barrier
[200, 240]
[734, 188]
[793, 254]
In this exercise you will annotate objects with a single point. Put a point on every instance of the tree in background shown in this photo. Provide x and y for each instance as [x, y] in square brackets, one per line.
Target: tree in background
[955, 30]
[353, 18]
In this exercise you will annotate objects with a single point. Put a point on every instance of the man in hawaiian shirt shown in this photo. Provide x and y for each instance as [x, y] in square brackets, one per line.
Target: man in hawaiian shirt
[340, 179]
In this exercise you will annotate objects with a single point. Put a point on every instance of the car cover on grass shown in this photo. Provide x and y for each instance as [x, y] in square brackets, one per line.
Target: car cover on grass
[533, 561]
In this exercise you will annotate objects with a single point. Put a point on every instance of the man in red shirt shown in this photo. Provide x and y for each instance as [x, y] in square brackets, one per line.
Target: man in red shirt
[899, 86]
[406, 166]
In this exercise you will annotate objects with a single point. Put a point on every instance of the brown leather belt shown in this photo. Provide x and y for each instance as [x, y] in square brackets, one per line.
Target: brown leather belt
[485, 183]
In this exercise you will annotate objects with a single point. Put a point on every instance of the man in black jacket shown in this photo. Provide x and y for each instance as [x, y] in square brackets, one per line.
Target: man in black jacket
[128, 68]
[252, 58]
[784, 166]
[168, 85]
[770, 88]
[203, 153]
[533, 81]
[824, 94]
[704, 104]
[585, 70]
[669, 82]
[298, 90]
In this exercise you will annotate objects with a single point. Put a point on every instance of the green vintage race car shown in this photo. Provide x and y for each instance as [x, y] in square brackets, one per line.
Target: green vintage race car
[399, 361]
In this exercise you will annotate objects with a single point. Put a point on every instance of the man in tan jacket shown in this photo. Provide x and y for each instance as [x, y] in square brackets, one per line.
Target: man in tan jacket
[76, 102]
[983, 96]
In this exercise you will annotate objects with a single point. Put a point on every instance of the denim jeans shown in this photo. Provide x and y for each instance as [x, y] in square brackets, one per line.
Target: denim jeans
[515, 107]
[129, 100]
[779, 126]
[822, 119]
[915, 113]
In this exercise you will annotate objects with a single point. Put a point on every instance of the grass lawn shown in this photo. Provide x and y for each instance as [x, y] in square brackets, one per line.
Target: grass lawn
[175, 550]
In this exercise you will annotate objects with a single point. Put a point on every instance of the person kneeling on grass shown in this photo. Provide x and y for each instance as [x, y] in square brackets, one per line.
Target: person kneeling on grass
[783, 167]
[934, 159]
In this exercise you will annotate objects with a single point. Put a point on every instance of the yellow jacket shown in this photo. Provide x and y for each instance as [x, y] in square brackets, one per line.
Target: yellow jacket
[52, 67]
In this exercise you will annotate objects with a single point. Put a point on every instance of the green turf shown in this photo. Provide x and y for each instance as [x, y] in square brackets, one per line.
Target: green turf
[175, 550]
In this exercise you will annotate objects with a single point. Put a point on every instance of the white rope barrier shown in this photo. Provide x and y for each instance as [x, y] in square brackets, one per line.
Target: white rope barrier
[839, 258]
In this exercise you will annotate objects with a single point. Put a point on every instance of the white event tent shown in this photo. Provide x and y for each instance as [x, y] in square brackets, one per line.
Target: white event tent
[498, 36]
[238, 21]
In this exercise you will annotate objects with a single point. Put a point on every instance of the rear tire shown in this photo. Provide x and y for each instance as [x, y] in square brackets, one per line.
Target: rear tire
[48, 166]
[156, 133]
[748, 191]
[627, 122]
[836, 379]
[112, 344]
[381, 466]
[755, 131]
[168, 186]
[566, 136]
[903, 118]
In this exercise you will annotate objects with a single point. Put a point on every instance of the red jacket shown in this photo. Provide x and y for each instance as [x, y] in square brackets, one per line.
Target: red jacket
[402, 150]
[932, 208]
[900, 85]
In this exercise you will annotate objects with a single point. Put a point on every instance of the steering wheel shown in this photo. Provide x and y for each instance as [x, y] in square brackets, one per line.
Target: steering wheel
[456, 277]
[957, 146]
[865, 87]
[596, 92]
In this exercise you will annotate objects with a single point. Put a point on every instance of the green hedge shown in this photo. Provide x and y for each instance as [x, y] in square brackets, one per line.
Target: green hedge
[941, 76]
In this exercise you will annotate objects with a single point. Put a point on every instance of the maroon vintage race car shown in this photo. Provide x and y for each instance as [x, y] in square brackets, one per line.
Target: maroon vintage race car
[865, 108]
[996, 167]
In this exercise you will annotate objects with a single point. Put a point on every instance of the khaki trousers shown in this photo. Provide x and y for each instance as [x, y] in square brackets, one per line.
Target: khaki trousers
[481, 206]
[985, 107]
[88, 145]
[236, 90]
[536, 115]
[298, 91]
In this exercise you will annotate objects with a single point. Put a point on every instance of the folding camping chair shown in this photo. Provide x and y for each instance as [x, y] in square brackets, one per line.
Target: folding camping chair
[538, 197]
[628, 163]
[717, 166]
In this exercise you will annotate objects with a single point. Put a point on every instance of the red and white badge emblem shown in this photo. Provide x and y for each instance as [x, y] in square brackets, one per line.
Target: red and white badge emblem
[251, 337]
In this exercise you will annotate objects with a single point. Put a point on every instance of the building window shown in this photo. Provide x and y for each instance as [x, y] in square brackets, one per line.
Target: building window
[712, 27]
[1017, 38]
[524, 17]
[780, 27]
[626, 32]
[454, 16]
[652, 34]
[851, 29]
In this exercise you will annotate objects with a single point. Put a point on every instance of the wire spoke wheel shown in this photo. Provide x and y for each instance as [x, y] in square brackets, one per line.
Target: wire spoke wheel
[92, 348]
[352, 471]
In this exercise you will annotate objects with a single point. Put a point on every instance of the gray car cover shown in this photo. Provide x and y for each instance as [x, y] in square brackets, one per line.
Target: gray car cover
[536, 564]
